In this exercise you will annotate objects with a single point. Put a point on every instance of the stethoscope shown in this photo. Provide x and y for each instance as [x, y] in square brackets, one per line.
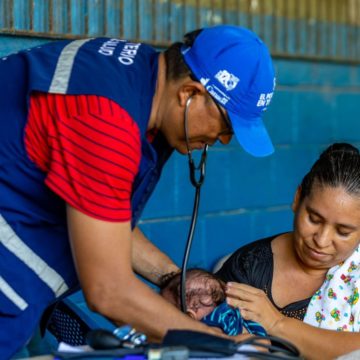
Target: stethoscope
[196, 180]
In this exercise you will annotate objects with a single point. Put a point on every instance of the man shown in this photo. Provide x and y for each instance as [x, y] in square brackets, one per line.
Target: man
[85, 129]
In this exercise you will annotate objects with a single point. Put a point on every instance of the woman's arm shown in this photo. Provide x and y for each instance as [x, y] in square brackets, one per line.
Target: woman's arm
[313, 343]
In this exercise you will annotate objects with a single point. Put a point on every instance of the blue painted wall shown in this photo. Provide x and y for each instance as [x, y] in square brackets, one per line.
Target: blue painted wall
[245, 198]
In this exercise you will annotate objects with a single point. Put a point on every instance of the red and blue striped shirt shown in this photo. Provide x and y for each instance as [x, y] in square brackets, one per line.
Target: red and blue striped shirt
[90, 149]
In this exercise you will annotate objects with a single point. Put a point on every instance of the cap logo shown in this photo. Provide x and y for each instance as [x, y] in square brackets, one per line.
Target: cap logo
[204, 81]
[264, 99]
[229, 81]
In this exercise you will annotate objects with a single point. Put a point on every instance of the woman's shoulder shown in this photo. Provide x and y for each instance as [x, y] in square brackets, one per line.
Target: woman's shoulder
[251, 260]
[260, 249]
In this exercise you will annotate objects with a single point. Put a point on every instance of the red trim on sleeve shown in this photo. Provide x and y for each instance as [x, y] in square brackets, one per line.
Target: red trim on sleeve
[90, 149]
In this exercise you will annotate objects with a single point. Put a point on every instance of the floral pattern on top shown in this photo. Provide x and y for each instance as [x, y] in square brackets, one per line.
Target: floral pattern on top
[336, 306]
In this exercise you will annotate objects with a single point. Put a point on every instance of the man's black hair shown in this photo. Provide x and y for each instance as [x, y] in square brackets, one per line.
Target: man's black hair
[176, 67]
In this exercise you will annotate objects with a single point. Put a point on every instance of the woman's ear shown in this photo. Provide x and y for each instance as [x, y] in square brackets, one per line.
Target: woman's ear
[296, 202]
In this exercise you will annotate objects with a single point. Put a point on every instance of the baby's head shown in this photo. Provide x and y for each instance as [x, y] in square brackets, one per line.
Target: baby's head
[204, 291]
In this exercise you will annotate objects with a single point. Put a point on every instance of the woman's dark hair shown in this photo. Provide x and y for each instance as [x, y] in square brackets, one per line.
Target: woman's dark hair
[338, 166]
[176, 67]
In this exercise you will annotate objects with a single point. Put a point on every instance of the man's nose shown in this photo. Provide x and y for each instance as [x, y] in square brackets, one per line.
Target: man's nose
[225, 138]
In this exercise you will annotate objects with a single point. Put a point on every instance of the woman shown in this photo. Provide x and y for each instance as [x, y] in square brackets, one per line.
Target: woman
[309, 275]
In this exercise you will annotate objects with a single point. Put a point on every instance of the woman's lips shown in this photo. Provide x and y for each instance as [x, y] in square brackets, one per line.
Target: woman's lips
[315, 253]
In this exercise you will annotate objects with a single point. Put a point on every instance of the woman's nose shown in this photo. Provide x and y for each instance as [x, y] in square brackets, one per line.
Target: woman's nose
[322, 236]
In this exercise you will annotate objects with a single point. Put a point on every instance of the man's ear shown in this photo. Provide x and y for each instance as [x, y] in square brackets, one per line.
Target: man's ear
[296, 202]
[189, 88]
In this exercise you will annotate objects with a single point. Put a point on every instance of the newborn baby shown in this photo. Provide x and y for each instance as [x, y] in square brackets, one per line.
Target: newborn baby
[205, 301]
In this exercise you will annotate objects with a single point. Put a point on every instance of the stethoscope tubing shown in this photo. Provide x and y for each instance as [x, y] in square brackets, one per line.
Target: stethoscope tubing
[197, 183]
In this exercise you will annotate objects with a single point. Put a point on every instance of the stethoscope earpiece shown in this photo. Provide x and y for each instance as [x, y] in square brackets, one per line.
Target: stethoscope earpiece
[201, 166]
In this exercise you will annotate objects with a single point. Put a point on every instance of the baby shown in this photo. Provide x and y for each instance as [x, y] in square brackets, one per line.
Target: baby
[205, 301]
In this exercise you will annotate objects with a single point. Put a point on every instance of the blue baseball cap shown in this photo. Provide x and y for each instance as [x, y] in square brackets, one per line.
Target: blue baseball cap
[235, 67]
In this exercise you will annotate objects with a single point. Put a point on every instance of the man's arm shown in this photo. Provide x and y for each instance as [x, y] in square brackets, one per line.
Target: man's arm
[147, 260]
[102, 253]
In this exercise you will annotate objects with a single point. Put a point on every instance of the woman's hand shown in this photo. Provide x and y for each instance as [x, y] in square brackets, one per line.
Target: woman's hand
[253, 304]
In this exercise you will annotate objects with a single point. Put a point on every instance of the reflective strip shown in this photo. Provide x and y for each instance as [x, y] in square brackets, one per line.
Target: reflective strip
[12, 295]
[60, 80]
[16, 246]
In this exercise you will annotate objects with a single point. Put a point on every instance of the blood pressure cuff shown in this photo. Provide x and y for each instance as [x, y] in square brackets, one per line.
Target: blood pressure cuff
[200, 344]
